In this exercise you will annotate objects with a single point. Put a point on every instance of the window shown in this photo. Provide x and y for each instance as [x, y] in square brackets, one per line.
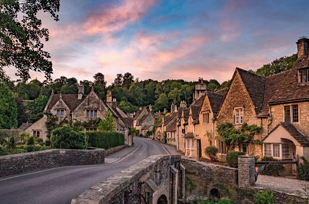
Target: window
[287, 113]
[206, 118]
[36, 133]
[267, 150]
[60, 113]
[276, 150]
[244, 148]
[304, 75]
[295, 113]
[91, 114]
[285, 151]
[238, 115]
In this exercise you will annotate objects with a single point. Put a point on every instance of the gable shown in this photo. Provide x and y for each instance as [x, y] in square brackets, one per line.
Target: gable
[278, 134]
[206, 105]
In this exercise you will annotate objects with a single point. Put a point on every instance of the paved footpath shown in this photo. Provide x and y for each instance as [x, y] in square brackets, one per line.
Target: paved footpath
[286, 185]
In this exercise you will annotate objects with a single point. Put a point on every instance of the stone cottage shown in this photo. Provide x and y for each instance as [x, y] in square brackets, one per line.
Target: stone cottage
[81, 107]
[143, 120]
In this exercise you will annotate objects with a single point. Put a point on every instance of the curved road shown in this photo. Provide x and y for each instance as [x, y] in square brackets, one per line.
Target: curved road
[60, 185]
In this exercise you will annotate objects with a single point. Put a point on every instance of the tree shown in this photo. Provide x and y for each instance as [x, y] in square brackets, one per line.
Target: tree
[8, 109]
[107, 124]
[22, 115]
[118, 80]
[28, 91]
[127, 107]
[20, 40]
[161, 102]
[174, 96]
[99, 79]
[127, 80]
[36, 108]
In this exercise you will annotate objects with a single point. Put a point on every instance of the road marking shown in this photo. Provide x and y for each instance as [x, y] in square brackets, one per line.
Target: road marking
[123, 158]
[166, 150]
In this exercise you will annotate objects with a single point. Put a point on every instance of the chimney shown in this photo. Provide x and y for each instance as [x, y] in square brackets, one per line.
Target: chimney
[109, 98]
[172, 108]
[200, 89]
[150, 108]
[183, 104]
[80, 90]
[302, 47]
[164, 111]
[175, 109]
[114, 103]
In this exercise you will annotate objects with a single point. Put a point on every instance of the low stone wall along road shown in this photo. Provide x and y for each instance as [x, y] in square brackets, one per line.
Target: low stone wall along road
[60, 185]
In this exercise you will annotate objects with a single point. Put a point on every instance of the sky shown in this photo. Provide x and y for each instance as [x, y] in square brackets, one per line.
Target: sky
[170, 39]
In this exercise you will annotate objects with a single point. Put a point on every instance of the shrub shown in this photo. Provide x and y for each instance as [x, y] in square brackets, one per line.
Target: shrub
[11, 143]
[66, 138]
[264, 198]
[232, 158]
[30, 141]
[30, 148]
[212, 151]
[105, 140]
[24, 136]
[38, 140]
[303, 171]
[3, 150]
[272, 170]
[17, 151]
[47, 143]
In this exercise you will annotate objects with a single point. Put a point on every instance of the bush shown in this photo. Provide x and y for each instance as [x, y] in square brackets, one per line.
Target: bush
[30, 141]
[24, 136]
[232, 158]
[47, 143]
[11, 143]
[3, 150]
[105, 140]
[17, 151]
[303, 171]
[264, 198]
[212, 151]
[66, 138]
[272, 170]
[38, 140]
[30, 148]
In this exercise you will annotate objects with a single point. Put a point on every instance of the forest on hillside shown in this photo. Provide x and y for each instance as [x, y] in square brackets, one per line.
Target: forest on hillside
[130, 92]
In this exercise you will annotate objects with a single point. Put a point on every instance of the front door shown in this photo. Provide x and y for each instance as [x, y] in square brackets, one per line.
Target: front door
[199, 149]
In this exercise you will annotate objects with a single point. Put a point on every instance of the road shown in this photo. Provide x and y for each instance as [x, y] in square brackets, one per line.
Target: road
[60, 185]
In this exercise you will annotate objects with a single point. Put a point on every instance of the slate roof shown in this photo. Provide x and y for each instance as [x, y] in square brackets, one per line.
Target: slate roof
[222, 91]
[294, 132]
[139, 122]
[169, 118]
[71, 100]
[255, 86]
[195, 110]
[137, 114]
[24, 126]
[146, 127]
[172, 127]
[216, 101]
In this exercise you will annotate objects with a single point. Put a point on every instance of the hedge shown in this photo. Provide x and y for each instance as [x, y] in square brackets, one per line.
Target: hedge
[104, 139]
[232, 158]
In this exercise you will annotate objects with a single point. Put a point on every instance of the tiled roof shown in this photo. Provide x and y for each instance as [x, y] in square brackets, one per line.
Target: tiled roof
[216, 101]
[172, 127]
[159, 124]
[137, 114]
[128, 121]
[255, 86]
[146, 127]
[294, 132]
[169, 118]
[71, 100]
[189, 135]
[24, 126]
[195, 110]
[223, 91]
[140, 122]
[199, 102]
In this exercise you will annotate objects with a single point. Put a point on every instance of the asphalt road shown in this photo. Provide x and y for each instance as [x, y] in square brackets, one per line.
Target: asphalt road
[60, 185]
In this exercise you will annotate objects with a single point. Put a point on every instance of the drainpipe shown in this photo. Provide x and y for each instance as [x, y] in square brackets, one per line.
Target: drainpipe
[213, 131]
[270, 120]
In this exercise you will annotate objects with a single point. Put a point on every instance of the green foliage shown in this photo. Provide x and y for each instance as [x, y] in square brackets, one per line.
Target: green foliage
[51, 124]
[66, 138]
[36, 108]
[38, 140]
[22, 113]
[211, 151]
[3, 150]
[232, 158]
[222, 201]
[11, 143]
[47, 142]
[134, 132]
[107, 124]
[303, 172]
[105, 140]
[277, 66]
[232, 137]
[28, 91]
[127, 107]
[272, 170]
[4, 136]
[8, 106]
[21, 33]
[30, 141]
[24, 136]
[162, 102]
[264, 198]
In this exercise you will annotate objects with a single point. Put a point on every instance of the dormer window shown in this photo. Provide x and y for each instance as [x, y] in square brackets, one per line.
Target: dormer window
[91, 114]
[304, 75]
[60, 113]
[206, 118]
[239, 115]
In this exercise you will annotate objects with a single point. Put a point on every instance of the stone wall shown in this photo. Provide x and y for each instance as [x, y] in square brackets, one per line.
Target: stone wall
[114, 149]
[202, 177]
[35, 161]
[143, 182]
[14, 133]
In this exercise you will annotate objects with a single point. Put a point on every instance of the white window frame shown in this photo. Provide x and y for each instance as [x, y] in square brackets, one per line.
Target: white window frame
[60, 113]
[238, 114]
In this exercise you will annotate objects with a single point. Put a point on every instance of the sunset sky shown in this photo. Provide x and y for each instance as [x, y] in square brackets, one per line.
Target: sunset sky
[171, 39]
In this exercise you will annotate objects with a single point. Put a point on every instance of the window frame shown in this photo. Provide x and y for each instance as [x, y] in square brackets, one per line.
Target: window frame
[206, 117]
[239, 115]
[304, 75]
[91, 114]
[291, 117]
[60, 113]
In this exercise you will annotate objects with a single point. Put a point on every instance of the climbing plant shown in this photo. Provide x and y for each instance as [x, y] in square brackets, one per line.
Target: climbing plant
[232, 136]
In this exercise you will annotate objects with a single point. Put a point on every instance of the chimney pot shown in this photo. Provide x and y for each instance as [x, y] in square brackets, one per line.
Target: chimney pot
[302, 47]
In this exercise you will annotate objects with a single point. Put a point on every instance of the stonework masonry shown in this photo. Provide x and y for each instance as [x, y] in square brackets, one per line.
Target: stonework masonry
[34, 161]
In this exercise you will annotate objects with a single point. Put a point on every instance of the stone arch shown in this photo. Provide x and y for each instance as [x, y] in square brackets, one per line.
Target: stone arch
[162, 199]
[214, 194]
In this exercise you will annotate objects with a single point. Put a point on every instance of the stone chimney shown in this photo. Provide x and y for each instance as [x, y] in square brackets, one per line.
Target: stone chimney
[114, 103]
[172, 108]
[175, 109]
[302, 47]
[200, 89]
[81, 90]
[183, 104]
[150, 108]
[164, 111]
[109, 98]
